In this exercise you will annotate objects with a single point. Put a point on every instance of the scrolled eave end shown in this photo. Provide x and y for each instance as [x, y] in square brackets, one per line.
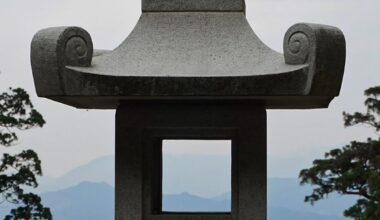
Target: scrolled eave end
[323, 47]
[54, 48]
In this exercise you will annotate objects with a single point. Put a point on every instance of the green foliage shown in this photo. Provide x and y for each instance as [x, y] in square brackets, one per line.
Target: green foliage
[354, 169]
[20, 170]
[16, 111]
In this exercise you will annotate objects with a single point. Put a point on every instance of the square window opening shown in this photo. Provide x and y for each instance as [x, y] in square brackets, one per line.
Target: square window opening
[196, 176]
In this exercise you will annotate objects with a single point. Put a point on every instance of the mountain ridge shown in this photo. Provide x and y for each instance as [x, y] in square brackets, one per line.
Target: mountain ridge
[284, 194]
[95, 201]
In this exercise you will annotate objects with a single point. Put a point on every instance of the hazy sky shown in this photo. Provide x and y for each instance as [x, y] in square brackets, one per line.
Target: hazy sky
[197, 179]
[72, 137]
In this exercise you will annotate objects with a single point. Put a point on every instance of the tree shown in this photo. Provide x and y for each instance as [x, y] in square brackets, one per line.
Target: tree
[20, 170]
[353, 169]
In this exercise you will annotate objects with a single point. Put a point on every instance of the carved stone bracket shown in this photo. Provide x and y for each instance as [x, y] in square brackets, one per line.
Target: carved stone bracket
[324, 49]
[54, 48]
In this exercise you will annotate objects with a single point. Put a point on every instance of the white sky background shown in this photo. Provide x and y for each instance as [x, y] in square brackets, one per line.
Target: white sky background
[73, 137]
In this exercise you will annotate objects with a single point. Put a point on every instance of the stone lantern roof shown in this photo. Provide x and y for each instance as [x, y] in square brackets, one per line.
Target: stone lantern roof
[191, 50]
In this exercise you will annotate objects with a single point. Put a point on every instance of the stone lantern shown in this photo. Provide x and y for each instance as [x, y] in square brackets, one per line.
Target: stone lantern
[190, 70]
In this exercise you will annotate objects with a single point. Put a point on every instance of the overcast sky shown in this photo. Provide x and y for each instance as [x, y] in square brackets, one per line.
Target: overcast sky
[73, 137]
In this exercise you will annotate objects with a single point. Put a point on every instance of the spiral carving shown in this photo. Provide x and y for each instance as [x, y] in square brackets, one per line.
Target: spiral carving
[323, 49]
[297, 48]
[53, 49]
[76, 51]
[77, 48]
[299, 42]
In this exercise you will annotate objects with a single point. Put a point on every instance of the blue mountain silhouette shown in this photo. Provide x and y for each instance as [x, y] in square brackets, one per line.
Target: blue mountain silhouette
[87, 193]
[95, 201]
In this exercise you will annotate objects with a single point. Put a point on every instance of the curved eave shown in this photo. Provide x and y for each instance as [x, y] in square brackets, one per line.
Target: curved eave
[191, 56]
[93, 91]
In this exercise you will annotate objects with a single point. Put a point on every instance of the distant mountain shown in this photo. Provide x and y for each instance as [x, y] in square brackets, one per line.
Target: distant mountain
[224, 196]
[284, 195]
[211, 182]
[288, 194]
[275, 213]
[98, 170]
[86, 201]
[103, 168]
[95, 201]
[186, 202]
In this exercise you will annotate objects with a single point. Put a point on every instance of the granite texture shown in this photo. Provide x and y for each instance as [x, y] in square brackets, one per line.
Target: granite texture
[192, 5]
[191, 56]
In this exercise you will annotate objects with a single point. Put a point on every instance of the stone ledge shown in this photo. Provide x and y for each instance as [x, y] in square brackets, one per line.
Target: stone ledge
[192, 5]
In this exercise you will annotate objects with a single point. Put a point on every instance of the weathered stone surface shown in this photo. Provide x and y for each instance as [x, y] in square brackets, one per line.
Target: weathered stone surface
[323, 48]
[140, 129]
[52, 50]
[192, 5]
[191, 56]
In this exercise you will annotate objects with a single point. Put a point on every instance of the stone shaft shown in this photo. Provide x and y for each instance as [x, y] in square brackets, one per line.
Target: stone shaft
[140, 129]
